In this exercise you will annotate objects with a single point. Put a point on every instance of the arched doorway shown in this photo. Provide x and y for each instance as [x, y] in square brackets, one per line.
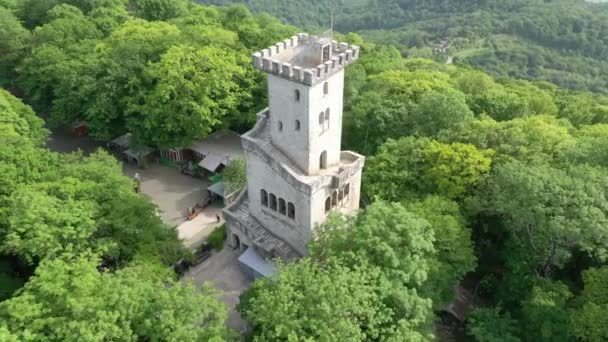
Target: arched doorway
[236, 242]
[323, 161]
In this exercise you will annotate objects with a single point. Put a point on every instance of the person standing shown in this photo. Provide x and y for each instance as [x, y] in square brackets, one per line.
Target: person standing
[137, 180]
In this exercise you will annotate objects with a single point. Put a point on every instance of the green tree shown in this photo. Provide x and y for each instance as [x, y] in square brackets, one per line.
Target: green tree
[588, 321]
[196, 85]
[492, 325]
[438, 111]
[124, 58]
[69, 300]
[454, 249]
[234, 175]
[83, 204]
[545, 315]
[310, 301]
[18, 120]
[415, 166]
[13, 40]
[158, 9]
[587, 148]
[536, 138]
[384, 235]
[386, 107]
[550, 212]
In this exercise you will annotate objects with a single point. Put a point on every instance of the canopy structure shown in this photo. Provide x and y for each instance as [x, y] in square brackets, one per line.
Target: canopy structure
[141, 152]
[256, 266]
[211, 162]
[217, 189]
[218, 149]
[122, 141]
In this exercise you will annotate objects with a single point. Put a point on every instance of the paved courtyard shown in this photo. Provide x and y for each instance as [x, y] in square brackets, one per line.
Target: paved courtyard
[223, 271]
[170, 190]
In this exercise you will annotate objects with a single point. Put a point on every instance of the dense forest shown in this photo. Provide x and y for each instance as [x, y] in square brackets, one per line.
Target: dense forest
[561, 41]
[498, 182]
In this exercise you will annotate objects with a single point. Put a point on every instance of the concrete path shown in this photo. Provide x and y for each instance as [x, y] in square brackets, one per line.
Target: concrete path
[223, 271]
[194, 232]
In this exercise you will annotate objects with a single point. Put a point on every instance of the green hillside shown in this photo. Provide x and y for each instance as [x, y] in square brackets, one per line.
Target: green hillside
[561, 41]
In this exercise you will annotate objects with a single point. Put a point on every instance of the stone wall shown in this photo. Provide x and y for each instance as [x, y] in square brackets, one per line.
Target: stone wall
[304, 146]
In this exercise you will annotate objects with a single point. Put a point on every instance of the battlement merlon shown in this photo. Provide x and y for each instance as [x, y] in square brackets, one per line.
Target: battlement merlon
[305, 59]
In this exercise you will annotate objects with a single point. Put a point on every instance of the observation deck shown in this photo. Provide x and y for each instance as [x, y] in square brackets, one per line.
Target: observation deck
[305, 59]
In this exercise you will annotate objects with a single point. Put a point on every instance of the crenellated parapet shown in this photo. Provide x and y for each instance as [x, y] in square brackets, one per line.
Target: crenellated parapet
[305, 59]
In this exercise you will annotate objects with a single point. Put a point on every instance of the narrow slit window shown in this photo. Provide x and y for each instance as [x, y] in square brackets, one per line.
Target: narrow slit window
[325, 88]
[280, 126]
[297, 125]
[327, 204]
[297, 95]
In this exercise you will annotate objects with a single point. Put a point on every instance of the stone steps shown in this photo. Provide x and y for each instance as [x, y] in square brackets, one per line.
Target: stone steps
[266, 143]
[262, 235]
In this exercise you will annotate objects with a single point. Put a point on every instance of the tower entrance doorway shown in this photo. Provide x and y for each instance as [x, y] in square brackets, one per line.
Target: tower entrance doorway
[236, 242]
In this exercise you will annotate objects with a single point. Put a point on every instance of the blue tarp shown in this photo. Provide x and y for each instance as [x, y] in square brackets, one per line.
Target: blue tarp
[255, 265]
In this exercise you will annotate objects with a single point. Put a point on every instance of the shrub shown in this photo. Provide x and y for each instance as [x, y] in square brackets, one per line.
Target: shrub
[217, 237]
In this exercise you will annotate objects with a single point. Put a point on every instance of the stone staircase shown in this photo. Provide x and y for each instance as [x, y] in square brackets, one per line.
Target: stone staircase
[265, 142]
[263, 238]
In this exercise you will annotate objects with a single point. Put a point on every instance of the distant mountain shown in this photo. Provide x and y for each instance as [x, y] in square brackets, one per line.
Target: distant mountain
[561, 41]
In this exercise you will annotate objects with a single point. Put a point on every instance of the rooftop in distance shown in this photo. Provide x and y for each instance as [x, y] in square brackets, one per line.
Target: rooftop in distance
[305, 59]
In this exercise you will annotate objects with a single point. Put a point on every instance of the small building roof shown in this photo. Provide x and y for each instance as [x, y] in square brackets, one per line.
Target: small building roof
[123, 140]
[218, 148]
[217, 188]
[211, 162]
[221, 143]
[463, 300]
[258, 264]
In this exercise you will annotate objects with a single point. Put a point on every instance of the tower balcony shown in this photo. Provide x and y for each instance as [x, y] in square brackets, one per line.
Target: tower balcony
[350, 164]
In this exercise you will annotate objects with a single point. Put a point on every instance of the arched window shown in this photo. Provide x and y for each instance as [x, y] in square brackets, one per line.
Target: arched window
[297, 125]
[327, 204]
[297, 95]
[291, 211]
[321, 119]
[282, 207]
[323, 160]
[327, 118]
[346, 190]
[326, 88]
[334, 198]
[264, 197]
[280, 126]
[273, 202]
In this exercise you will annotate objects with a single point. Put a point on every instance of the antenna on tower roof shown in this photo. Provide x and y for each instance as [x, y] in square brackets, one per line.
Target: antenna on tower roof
[331, 25]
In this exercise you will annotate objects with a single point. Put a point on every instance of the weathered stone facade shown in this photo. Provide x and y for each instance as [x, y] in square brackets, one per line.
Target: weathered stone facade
[296, 173]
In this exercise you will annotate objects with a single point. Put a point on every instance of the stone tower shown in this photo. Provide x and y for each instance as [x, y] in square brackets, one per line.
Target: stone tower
[296, 173]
